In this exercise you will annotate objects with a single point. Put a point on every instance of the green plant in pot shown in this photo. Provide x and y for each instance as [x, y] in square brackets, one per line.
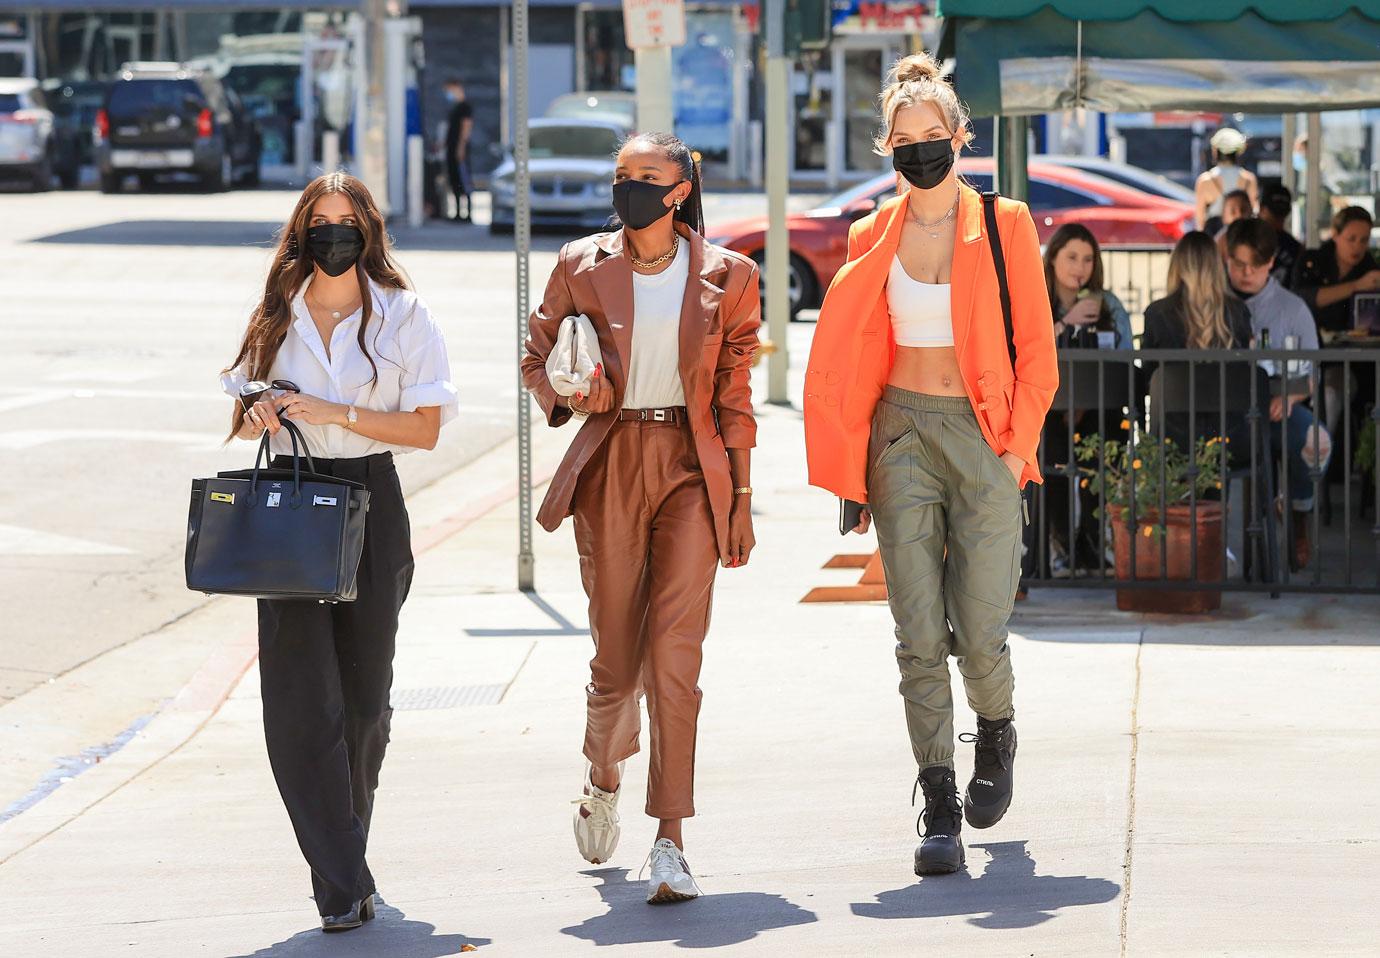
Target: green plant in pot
[1168, 521]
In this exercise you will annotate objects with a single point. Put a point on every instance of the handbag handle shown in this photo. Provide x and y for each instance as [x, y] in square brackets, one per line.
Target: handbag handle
[263, 457]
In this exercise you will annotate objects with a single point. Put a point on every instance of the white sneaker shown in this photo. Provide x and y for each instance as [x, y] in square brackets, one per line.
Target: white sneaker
[596, 820]
[671, 879]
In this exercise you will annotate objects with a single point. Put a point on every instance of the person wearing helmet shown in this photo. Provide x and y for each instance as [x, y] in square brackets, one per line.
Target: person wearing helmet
[1226, 176]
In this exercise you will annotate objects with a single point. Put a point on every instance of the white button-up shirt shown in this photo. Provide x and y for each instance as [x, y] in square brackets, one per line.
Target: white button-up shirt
[404, 342]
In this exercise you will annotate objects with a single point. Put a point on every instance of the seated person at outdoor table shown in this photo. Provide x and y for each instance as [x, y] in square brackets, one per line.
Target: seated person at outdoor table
[1081, 306]
[1082, 310]
[1276, 206]
[1329, 276]
[1199, 313]
[1236, 205]
[1273, 309]
[1327, 279]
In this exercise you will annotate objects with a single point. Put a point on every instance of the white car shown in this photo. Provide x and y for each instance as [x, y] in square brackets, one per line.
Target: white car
[28, 138]
[571, 167]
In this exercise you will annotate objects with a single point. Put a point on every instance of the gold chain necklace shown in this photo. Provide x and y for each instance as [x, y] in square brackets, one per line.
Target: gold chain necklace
[933, 228]
[652, 264]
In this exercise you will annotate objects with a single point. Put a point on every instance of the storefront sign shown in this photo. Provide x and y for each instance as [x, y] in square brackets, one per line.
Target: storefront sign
[882, 16]
[861, 17]
[653, 23]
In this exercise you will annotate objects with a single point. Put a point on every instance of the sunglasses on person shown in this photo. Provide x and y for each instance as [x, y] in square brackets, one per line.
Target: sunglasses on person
[252, 392]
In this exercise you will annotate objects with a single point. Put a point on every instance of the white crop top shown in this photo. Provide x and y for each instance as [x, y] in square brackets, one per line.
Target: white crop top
[920, 314]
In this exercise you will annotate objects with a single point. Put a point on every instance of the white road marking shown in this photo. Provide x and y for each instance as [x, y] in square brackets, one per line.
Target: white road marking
[28, 438]
[24, 398]
[29, 399]
[16, 541]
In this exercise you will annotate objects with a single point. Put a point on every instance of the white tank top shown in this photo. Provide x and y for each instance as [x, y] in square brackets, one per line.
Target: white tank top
[1227, 177]
[919, 311]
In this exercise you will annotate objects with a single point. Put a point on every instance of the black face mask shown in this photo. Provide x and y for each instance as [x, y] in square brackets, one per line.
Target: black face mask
[924, 164]
[335, 247]
[639, 204]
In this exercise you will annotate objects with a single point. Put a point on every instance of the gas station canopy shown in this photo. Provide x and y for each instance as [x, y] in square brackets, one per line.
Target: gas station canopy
[1021, 57]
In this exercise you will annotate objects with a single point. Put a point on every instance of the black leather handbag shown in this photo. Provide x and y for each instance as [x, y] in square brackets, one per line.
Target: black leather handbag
[276, 533]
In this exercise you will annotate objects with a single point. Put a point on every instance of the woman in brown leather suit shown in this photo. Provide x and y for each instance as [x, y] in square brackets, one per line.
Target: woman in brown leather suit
[657, 478]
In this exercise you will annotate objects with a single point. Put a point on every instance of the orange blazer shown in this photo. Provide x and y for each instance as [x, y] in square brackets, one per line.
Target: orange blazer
[853, 347]
[719, 318]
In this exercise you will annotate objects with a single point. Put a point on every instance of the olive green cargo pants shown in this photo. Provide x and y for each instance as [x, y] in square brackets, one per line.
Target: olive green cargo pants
[948, 516]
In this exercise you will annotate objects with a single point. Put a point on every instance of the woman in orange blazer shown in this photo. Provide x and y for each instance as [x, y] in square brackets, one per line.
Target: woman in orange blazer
[657, 477]
[914, 408]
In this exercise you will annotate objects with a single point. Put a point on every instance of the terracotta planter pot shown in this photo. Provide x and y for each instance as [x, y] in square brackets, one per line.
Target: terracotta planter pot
[1178, 566]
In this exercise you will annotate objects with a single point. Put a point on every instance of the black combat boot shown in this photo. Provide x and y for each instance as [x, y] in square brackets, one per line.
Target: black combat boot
[941, 852]
[994, 763]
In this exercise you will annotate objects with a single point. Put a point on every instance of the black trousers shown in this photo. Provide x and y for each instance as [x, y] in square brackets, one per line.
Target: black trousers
[326, 671]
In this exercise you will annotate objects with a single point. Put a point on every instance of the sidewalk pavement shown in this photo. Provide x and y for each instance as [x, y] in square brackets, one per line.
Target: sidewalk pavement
[1200, 786]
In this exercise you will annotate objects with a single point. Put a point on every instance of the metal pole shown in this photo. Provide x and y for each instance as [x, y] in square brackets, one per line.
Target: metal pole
[778, 304]
[373, 153]
[1312, 206]
[654, 110]
[1011, 134]
[522, 240]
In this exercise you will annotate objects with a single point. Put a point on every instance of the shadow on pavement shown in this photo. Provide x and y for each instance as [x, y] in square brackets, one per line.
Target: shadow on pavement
[563, 626]
[712, 921]
[1007, 895]
[441, 237]
[390, 933]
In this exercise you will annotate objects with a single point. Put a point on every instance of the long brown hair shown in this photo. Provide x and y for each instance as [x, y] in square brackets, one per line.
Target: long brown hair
[1195, 268]
[272, 317]
[1062, 237]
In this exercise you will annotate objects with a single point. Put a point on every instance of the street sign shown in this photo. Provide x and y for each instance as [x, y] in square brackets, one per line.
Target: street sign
[653, 23]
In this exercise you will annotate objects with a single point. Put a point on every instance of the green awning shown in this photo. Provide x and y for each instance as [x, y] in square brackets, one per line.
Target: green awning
[1179, 11]
[1045, 61]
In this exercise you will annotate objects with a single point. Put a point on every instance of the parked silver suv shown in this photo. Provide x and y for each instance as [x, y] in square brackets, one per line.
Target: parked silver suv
[30, 143]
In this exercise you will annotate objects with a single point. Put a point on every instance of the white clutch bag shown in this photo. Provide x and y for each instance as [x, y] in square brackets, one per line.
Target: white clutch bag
[570, 366]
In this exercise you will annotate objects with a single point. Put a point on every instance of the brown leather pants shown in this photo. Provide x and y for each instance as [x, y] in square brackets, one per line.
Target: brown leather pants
[648, 555]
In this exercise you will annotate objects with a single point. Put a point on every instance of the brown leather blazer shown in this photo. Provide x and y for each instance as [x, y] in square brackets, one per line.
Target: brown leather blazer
[719, 318]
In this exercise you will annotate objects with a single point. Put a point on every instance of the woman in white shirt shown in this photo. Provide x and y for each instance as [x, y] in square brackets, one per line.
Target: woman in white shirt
[657, 478]
[361, 369]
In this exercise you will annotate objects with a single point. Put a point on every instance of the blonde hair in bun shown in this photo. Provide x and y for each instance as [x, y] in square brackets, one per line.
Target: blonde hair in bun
[916, 79]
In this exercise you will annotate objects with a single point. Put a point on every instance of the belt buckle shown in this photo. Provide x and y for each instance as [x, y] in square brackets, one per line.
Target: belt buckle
[659, 415]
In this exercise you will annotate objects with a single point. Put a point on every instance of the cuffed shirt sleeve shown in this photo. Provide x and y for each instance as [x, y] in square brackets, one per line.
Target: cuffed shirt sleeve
[232, 380]
[426, 379]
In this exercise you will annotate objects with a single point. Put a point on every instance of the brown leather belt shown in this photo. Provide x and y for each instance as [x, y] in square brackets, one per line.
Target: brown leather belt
[671, 414]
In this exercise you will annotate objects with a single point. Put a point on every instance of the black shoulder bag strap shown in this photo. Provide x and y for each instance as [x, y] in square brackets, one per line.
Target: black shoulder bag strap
[989, 210]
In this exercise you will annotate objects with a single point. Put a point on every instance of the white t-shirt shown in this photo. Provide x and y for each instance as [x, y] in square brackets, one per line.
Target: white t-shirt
[654, 372]
[404, 341]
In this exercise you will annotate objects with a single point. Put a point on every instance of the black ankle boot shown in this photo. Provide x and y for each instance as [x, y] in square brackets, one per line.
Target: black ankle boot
[941, 852]
[994, 763]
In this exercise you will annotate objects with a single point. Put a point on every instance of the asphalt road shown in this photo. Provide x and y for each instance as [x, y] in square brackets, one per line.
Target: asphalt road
[119, 313]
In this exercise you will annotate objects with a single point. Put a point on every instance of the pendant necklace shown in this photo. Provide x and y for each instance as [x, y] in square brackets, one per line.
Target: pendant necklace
[335, 313]
[652, 264]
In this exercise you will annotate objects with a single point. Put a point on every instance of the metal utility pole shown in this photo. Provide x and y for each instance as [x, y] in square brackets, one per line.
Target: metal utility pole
[1012, 154]
[777, 106]
[522, 241]
[654, 110]
[1313, 201]
[373, 146]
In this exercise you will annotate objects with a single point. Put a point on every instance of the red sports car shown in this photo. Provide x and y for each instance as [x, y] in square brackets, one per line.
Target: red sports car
[1118, 215]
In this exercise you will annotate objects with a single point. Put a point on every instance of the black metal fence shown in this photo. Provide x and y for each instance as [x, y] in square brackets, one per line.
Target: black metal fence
[1172, 469]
